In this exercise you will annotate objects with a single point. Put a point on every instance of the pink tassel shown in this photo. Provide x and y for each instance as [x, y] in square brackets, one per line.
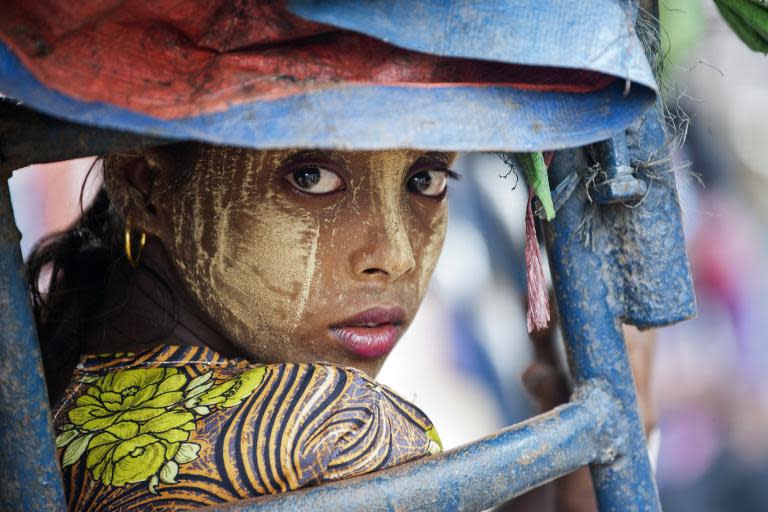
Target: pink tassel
[538, 297]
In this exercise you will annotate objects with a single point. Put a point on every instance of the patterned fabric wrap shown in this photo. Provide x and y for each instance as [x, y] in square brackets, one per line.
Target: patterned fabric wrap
[182, 427]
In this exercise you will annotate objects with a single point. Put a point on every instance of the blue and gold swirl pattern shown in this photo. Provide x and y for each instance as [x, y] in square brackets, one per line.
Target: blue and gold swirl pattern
[175, 428]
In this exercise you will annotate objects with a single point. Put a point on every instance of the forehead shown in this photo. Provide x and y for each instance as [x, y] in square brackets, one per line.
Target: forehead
[392, 163]
[370, 156]
[226, 162]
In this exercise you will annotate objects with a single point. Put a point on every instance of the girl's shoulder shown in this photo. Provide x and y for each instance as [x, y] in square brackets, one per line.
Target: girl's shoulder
[179, 427]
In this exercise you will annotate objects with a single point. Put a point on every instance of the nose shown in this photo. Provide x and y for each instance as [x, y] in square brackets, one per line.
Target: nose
[385, 251]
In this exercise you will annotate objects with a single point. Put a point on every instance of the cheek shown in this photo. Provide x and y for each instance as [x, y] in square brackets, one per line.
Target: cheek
[265, 267]
[429, 247]
[250, 268]
[330, 275]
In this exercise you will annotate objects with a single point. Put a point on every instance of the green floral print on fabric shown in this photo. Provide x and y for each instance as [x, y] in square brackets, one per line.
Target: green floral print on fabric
[234, 391]
[134, 425]
[435, 444]
[127, 395]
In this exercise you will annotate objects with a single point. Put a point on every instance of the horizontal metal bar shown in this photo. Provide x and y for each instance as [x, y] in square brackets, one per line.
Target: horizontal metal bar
[29, 474]
[28, 137]
[473, 477]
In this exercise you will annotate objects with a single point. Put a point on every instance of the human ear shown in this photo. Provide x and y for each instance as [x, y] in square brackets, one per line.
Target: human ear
[133, 184]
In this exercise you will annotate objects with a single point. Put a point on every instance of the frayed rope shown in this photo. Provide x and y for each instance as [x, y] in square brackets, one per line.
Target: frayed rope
[538, 297]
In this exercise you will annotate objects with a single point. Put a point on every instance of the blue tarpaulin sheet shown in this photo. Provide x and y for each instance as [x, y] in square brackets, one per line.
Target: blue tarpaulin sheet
[594, 36]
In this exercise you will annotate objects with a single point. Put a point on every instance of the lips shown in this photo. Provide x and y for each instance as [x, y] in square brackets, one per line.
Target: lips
[372, 333]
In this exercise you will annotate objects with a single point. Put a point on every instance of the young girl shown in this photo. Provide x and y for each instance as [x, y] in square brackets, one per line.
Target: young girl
[240, 303]
[213, 322]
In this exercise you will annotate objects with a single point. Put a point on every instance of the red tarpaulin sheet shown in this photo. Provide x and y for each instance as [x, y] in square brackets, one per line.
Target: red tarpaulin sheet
[180, 58]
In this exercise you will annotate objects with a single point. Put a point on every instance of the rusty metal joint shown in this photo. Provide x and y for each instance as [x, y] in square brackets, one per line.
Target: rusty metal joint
[611, 424]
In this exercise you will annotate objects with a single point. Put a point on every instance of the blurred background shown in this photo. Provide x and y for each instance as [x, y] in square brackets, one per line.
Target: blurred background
[462, 359]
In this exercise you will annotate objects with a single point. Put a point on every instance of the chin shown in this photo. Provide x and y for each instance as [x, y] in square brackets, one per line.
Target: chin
[369, 367]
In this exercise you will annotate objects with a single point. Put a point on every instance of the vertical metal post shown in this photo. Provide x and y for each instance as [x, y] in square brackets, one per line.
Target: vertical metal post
[583, 278]
[29, 474]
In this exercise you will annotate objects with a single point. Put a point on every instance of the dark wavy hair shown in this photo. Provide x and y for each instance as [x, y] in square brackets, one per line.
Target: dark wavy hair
[72, 274]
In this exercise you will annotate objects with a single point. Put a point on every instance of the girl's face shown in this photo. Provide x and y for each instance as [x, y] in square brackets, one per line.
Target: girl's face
[307, 256]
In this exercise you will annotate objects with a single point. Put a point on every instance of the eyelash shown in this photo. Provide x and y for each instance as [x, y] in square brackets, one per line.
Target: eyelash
[450, 175]
[303, 193]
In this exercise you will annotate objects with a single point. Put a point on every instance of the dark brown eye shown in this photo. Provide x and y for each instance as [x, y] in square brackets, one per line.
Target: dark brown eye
[315, 180]
[428, 183]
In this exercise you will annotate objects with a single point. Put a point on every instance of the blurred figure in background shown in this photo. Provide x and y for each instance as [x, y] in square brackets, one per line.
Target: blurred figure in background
[710, 380]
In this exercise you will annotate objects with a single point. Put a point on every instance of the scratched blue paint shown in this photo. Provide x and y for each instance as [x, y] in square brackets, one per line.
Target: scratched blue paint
[611, 278]
[29, 473]
[656, 285]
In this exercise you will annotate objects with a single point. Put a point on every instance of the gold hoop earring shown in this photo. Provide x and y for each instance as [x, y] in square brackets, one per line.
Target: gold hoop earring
[134, 261]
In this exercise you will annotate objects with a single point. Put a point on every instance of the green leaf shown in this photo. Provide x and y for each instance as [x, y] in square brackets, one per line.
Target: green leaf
[124, 429]
[199, 380]
[433, 436]
[87, 399]
[164, 400]
[172, 383]
[171, 449]
[88, 379]
[197, 390]
[174, 435]
[75, 450]
[536, 174]
[80, 415]
[99, 423]
[202, 410]
[187, 452]
[169, 472]
[142, 414]
[153, 482]
[66, 437]
[749, 20]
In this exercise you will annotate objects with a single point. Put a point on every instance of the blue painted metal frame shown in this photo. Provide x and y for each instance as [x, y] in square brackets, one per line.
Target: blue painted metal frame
[29, 474]
[628, 265]
[635, 271]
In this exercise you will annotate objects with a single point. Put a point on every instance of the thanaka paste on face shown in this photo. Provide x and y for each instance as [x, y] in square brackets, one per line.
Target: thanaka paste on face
[391, 199]
[274, 273]
[236, 246]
